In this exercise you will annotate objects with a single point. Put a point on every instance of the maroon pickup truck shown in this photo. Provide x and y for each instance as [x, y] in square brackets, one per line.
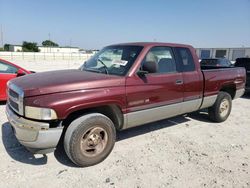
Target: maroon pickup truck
[120, 87]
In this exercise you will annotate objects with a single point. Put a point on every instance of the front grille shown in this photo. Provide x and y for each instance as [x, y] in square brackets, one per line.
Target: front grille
[14, 105]
[13, 94]
[15, 98]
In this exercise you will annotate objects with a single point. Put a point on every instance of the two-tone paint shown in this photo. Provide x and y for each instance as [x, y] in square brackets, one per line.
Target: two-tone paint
[130, 100]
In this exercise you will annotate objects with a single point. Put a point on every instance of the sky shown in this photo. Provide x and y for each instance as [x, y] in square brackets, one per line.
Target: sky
[92, 24]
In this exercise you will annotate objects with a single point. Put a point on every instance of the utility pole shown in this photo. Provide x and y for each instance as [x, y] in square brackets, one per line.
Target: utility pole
[70, 42]
[1, 35]
[50, 46]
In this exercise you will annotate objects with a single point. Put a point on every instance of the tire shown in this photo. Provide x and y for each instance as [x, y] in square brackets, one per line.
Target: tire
[216, 112]
[89, 139]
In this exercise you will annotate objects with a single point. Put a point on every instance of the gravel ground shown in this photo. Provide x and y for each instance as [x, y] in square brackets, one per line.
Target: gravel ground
[185, 151]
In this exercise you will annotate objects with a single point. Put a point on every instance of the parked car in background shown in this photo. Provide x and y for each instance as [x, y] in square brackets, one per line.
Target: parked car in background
[9, 71]
[244, 62]
[217, 62]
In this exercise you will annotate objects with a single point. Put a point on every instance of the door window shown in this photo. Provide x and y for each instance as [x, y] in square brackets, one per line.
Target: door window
[185, 59]
[205, 54]
[220, 53]
[7, 69]
[159, 60]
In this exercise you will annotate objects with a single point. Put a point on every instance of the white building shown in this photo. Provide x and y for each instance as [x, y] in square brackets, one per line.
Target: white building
[15, 48]
[58, 49]
[230, 53]
[45, 49]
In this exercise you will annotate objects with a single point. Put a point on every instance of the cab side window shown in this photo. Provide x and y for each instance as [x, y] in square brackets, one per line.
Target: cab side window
[186, 59]
[7, 69]
[159, 60]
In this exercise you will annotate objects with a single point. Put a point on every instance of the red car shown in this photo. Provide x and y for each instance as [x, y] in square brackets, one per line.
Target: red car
[8, 71]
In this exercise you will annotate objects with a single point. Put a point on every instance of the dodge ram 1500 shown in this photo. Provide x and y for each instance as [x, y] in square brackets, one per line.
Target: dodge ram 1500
[120, 87]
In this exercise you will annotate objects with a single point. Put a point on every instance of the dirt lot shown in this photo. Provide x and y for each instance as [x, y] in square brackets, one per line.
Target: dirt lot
[186, 151]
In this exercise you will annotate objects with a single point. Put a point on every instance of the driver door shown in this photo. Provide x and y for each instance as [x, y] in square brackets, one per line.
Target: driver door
[159, 93]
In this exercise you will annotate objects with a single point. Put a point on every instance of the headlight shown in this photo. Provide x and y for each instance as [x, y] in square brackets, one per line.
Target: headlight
[40, 113]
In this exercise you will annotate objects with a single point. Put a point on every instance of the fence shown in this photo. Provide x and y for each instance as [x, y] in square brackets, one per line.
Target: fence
[43, 56]
[37, 61]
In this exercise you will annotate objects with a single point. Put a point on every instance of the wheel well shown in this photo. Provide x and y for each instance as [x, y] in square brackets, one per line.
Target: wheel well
[230, 89]
[111, 111]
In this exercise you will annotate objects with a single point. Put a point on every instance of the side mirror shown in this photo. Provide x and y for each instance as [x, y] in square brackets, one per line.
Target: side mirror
[20, 72]
[150, 67]
[142, 73]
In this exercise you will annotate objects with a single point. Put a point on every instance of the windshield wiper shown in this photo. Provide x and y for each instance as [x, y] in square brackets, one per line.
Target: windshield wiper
[105, 67]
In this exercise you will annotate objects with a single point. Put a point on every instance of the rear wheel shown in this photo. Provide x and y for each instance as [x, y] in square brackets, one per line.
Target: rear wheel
[221, 109]
[89, 139]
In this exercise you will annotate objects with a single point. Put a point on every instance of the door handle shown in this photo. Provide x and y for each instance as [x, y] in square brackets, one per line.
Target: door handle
[178, 82]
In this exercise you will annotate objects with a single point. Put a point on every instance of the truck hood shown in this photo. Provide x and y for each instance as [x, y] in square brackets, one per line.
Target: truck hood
[64, 81]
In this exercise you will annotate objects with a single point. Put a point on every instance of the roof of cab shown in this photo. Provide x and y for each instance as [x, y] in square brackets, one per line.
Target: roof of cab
[150, 44]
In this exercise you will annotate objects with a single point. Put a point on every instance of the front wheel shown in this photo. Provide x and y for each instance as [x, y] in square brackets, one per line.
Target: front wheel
[89, 139]
[221, 109]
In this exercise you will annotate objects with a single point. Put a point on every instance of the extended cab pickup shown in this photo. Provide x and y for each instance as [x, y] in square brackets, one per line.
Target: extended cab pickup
[120, 87]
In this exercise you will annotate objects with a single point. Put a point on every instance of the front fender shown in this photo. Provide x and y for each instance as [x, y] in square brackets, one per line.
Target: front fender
[68, 102]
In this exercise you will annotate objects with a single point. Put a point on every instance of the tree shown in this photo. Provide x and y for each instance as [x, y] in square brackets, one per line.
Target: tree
[30, 47]
[6, 47]
[49, 43]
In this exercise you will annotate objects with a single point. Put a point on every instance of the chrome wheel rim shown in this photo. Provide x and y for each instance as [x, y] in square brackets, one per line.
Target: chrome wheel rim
[224, 107]
[93, 141]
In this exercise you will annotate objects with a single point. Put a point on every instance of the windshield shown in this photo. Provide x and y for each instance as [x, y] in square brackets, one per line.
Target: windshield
[114, 60]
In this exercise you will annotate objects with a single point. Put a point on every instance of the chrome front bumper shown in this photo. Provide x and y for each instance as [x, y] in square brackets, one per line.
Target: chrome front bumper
[36, 136]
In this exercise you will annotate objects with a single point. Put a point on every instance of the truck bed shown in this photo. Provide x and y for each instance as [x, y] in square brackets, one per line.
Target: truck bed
[216, 78]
